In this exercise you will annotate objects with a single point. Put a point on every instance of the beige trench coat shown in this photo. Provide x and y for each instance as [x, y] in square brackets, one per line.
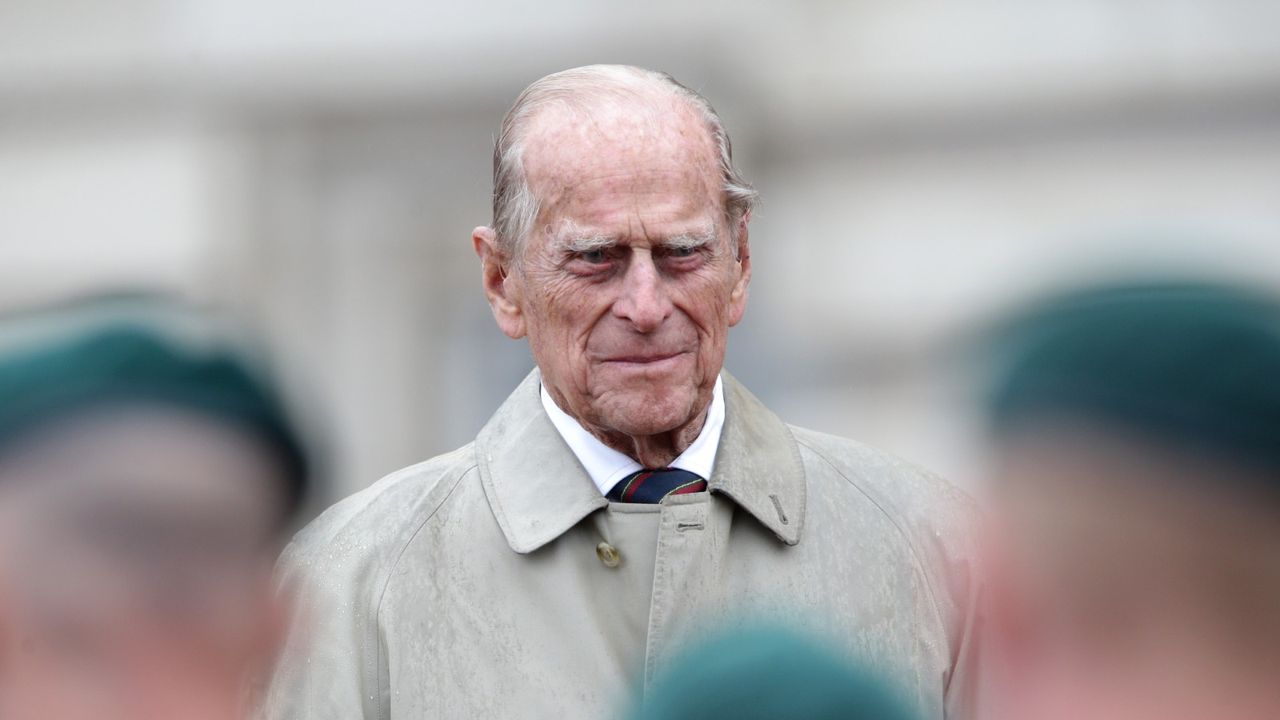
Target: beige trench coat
[472, 585]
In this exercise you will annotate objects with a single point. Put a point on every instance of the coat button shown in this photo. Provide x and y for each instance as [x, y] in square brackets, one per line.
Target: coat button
[608, 555]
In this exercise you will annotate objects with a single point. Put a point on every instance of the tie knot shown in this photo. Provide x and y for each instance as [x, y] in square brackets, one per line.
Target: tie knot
[651, 486]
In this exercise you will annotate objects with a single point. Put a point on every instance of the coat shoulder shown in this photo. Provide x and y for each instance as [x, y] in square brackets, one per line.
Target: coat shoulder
[379, 520]
[335, 571]
[902, 489]
[938, 520]
[941, 523]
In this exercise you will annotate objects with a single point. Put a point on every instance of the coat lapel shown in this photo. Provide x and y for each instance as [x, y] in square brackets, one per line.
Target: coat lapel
[758, 464]
[534, 482]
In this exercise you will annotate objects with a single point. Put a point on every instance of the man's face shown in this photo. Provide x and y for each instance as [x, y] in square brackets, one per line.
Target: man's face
[631, 279]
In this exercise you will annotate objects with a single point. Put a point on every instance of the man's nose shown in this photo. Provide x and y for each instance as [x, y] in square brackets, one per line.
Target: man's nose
[644, 301]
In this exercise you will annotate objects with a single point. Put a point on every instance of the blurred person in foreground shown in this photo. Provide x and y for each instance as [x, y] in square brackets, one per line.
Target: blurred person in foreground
[768, 673]
[148, 476]
[1139, 488]
[628, 492]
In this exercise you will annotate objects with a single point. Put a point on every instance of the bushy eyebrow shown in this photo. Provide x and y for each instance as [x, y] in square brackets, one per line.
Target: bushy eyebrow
[573, 240]
[587, 243]
[570, 238]
[691, 240]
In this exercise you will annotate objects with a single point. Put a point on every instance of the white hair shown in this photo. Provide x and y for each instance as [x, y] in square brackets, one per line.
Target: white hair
[515, 206]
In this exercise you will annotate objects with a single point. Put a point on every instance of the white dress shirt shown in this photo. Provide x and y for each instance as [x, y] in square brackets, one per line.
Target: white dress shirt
[607, 466]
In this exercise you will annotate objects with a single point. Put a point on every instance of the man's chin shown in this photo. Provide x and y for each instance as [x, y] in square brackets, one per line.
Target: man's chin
[644, 414]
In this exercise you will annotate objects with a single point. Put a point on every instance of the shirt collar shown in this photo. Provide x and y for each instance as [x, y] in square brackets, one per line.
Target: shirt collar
[607, 467]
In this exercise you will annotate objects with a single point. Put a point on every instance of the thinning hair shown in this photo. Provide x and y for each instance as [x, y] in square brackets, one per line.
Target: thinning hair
[516, 207]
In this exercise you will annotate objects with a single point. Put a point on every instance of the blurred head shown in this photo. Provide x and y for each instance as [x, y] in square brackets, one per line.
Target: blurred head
[767, 673]
[619, 244]
[1138, 483]
[147, 479]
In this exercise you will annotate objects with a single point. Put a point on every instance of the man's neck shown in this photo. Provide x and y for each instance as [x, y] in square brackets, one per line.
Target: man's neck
[654, 451]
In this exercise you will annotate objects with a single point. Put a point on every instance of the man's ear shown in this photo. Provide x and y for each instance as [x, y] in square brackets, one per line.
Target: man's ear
[500, 288]
[738, 297]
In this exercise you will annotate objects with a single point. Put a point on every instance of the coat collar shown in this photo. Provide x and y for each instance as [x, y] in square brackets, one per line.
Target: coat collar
[758, 464]
[538, 489]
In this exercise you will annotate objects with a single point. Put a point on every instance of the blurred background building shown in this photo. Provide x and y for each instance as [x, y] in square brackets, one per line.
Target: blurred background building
[923, 166]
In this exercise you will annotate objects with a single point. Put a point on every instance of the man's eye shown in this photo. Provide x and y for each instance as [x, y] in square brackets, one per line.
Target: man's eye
[594, 257]
[682, 252]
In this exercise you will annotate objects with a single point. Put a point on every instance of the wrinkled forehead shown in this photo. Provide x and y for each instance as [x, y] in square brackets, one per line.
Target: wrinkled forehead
[657, 151]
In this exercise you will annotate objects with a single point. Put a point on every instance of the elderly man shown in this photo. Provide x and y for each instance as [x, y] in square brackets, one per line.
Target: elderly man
[628, 493]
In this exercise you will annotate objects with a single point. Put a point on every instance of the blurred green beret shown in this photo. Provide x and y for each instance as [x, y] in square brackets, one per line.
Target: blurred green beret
[1192, 364]
[60, 361]
[767, 673]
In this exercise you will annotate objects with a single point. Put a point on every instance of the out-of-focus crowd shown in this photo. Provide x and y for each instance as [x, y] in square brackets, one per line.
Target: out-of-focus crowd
[149, 477]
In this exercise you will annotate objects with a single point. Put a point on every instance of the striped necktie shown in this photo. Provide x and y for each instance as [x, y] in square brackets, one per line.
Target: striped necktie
[650, 486]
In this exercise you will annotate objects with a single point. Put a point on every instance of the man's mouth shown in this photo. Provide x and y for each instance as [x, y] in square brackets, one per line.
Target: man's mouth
[644, 358]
